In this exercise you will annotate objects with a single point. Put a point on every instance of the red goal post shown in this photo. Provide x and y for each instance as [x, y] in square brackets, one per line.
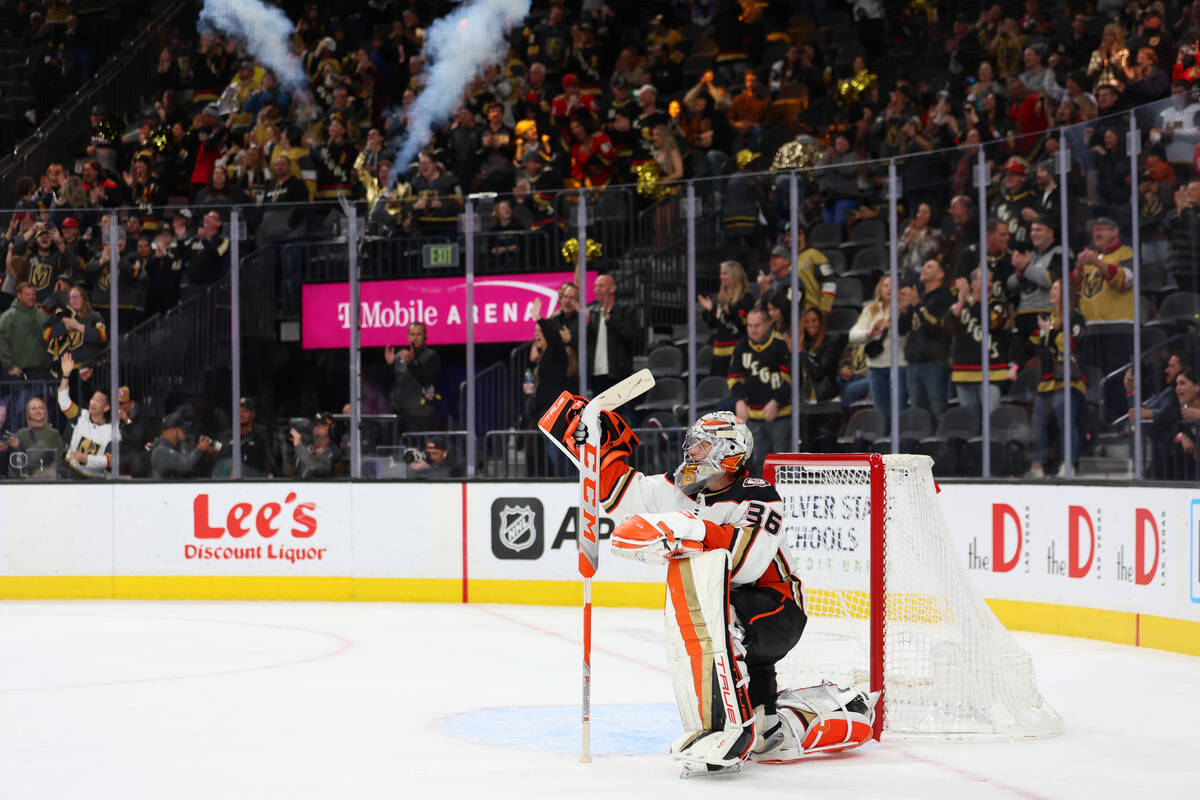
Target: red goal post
[891, 605]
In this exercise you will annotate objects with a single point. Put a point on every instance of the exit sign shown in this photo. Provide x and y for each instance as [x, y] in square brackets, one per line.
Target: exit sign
[440, 255]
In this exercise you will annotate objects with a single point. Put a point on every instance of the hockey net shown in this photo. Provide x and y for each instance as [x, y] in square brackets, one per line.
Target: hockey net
[891, 607]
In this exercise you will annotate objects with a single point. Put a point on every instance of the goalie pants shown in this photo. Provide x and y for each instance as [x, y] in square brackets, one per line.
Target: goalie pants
[772, 625]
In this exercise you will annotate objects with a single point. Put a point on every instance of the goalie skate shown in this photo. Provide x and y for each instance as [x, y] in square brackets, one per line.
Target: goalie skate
[710, 770]
[816, 719]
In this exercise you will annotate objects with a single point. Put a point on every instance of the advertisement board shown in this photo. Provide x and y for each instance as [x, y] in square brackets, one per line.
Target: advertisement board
[505, 309]
[1115, 562]
[523, 532]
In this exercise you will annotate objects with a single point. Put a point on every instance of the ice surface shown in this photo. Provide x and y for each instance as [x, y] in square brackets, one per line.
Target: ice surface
[321, 700]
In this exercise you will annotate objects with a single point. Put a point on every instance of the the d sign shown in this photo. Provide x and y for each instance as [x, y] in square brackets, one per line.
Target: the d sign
[999, 512]
[1145, 519]
[1074, 568]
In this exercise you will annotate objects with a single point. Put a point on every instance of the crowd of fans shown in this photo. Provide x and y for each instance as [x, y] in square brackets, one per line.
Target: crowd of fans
[585, 98]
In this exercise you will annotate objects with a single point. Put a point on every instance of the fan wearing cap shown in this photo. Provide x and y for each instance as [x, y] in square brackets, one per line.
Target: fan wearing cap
[46, 261]
[172, 457]
[437, 464]
[570, 102]
[887, 130]
[315, 459]
[1015, 196]
[89, 455]
[1103, 274]
[258, 456]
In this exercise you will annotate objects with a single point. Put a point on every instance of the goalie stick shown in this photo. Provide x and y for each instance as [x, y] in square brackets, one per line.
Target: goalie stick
[588, 463]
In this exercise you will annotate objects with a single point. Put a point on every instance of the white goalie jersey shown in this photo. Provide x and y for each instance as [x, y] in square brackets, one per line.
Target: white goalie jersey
[744, 518]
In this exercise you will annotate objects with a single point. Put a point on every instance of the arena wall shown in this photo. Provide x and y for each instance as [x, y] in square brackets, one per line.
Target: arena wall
[1117, 563]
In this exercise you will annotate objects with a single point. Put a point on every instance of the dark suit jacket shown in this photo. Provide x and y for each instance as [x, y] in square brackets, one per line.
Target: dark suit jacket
[622, 331]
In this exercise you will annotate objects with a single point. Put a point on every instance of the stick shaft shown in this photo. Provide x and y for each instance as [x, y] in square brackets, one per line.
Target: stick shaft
[585, 754]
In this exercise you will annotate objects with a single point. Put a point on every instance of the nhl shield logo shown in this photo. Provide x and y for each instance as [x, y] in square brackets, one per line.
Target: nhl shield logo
[517, 528]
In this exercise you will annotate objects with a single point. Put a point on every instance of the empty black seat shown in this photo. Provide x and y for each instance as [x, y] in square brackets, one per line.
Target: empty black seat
[665, 362]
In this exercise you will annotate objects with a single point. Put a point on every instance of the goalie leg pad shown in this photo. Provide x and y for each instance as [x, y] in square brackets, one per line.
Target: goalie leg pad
[820, 719]
[705, 659]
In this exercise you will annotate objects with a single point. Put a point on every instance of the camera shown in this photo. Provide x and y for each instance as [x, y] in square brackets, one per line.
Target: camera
[304, 427]
[412, 455]
[62, 313]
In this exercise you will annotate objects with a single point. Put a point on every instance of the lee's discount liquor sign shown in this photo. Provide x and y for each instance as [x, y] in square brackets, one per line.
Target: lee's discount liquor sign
[273, 530]
[506, 308]
[267, 528]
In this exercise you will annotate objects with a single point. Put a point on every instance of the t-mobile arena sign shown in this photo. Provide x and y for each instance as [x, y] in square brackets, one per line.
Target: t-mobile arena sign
[506, 308]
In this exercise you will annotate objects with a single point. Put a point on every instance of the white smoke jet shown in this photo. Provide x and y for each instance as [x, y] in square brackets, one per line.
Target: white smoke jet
[456, 46]
[266, 32]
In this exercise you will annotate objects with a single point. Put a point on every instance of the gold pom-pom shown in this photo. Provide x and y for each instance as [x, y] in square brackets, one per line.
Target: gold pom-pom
[802, 153]
[850, 90]
[647, 174]
[570, 250]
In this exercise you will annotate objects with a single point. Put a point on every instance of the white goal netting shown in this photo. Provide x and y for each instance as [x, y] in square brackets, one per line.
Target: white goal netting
[949, 667]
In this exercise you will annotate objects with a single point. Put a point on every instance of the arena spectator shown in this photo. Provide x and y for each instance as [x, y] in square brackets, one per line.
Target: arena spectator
[1159, 415]
[927, 349]
[1029, 284]
[1109, 63]
[761, 383]
[1049, 404]
[725, 314]
[78, 329]
[818, 284]
[23, 355]
[258, 455]
[416, 368]
[35, 449]
[820, 356]
[89, 454]
[172, 457]
[134, 441]
[871, 331]
[612, 336]
[919, 242]
[965, 325]
[1104, 275]
[1182, 225]
[437, 464]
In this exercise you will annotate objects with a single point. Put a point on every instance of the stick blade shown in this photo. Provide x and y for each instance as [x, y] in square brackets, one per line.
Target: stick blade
[621, 393]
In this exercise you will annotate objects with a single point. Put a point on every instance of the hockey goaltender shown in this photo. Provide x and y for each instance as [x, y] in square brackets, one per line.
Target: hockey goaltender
[734, 607]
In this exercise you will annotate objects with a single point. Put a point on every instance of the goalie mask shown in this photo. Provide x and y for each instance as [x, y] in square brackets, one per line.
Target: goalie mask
[718, 443]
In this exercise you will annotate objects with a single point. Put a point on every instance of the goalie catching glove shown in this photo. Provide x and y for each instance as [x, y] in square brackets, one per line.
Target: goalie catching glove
[654, 538]
[617, 440]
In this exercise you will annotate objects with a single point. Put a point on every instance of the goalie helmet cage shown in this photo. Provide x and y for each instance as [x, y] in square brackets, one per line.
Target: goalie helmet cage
[891, 605]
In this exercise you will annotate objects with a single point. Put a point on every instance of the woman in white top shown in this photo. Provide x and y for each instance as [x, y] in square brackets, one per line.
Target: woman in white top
[920, 241]
[871, 331]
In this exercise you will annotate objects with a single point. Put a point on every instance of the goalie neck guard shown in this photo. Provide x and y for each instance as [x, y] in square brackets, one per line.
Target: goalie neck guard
[717, 444]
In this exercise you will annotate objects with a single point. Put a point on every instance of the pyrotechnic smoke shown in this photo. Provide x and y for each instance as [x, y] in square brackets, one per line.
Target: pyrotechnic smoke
[265, 31]
[457, 46]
